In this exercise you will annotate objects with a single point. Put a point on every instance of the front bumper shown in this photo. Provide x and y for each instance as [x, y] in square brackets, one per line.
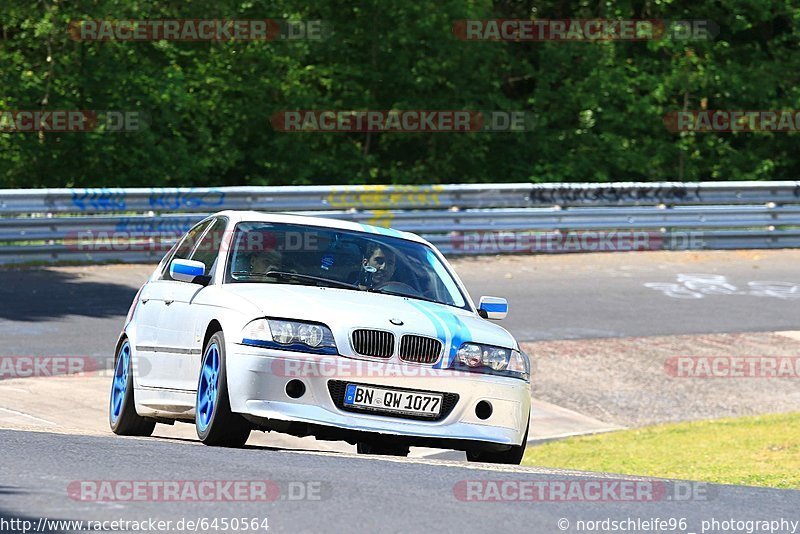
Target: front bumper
[257, 380]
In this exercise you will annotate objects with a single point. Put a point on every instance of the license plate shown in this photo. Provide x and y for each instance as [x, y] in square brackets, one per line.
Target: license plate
[392, 400]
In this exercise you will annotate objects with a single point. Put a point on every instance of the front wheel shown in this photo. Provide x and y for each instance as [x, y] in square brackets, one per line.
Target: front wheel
[216, 424]
[122, 416]
[511, 456]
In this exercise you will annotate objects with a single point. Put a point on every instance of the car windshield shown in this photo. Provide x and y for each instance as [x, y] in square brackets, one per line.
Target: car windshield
[279, 253]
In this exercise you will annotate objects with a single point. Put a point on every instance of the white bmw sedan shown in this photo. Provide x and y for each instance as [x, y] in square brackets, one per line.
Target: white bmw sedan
[312, 326]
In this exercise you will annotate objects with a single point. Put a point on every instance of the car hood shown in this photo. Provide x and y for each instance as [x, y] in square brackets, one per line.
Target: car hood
[344, 310]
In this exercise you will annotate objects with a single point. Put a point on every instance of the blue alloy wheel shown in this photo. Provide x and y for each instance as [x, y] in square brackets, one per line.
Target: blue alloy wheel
[120, 385]
[215, 422]
[208, 390]
[122, 416]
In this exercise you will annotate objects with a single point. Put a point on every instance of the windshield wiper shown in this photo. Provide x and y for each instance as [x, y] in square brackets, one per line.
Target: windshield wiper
[247, 273]
[310, 278]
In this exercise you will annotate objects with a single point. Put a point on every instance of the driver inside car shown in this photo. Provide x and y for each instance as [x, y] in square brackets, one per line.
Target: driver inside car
[377, 266]
[265, 261]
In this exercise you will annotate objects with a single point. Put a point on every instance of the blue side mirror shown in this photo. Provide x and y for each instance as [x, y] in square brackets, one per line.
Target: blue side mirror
[493, 308]
[186, 270]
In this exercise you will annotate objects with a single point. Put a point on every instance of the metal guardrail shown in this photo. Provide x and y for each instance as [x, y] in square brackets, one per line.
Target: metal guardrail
[138, 224]
[465, 196]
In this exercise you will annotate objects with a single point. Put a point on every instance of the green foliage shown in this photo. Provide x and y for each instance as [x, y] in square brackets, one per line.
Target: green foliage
[599, 107]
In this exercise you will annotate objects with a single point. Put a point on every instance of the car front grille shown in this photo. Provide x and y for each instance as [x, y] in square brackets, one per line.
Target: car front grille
[420, 349]
[375, 343]
[337, 390]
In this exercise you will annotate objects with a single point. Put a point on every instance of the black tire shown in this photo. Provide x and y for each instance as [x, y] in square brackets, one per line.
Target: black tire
[127, 422]
[224, 428]
[382, 448]
[511, 456]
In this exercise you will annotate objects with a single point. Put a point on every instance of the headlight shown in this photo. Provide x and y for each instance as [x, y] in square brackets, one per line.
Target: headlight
[289, 335]
[257, 330]
[288, 332]
[492, 360]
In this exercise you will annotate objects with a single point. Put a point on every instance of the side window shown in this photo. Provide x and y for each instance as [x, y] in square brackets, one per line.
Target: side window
[207, 250]
[185, 247]
[165, 261]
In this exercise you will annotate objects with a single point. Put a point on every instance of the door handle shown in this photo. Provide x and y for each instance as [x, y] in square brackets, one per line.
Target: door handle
[168, 302]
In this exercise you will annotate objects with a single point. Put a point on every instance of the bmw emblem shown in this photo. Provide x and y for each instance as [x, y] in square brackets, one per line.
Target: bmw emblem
[396, 322]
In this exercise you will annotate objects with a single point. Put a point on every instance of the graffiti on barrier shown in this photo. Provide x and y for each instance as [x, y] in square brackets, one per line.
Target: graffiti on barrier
[178, 226]
[567, 194]
[175, 199]
[382, 196]
[99, 199]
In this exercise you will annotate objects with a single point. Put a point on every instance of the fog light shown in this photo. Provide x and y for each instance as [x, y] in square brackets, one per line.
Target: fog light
[483, 410]
[295, 389]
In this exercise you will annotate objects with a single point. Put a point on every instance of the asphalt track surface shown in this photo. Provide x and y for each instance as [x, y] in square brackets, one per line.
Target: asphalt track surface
[352, 494]
[78, 311]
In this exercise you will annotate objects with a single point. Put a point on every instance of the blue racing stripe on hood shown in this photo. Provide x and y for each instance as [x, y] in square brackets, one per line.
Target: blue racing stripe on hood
[437, 324]
[458, 332]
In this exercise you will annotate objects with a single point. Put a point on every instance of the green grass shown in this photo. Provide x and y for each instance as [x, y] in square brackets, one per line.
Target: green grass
[755, 451]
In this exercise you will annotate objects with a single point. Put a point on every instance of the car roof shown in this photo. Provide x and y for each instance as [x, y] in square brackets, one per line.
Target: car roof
[237, 216]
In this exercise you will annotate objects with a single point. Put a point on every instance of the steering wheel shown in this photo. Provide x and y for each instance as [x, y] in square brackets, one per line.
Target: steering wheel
[397, 287]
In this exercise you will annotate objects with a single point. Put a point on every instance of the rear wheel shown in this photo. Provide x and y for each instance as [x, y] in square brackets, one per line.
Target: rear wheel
[122, 416]
[511, 456]
[382, 448]
[216, 424]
